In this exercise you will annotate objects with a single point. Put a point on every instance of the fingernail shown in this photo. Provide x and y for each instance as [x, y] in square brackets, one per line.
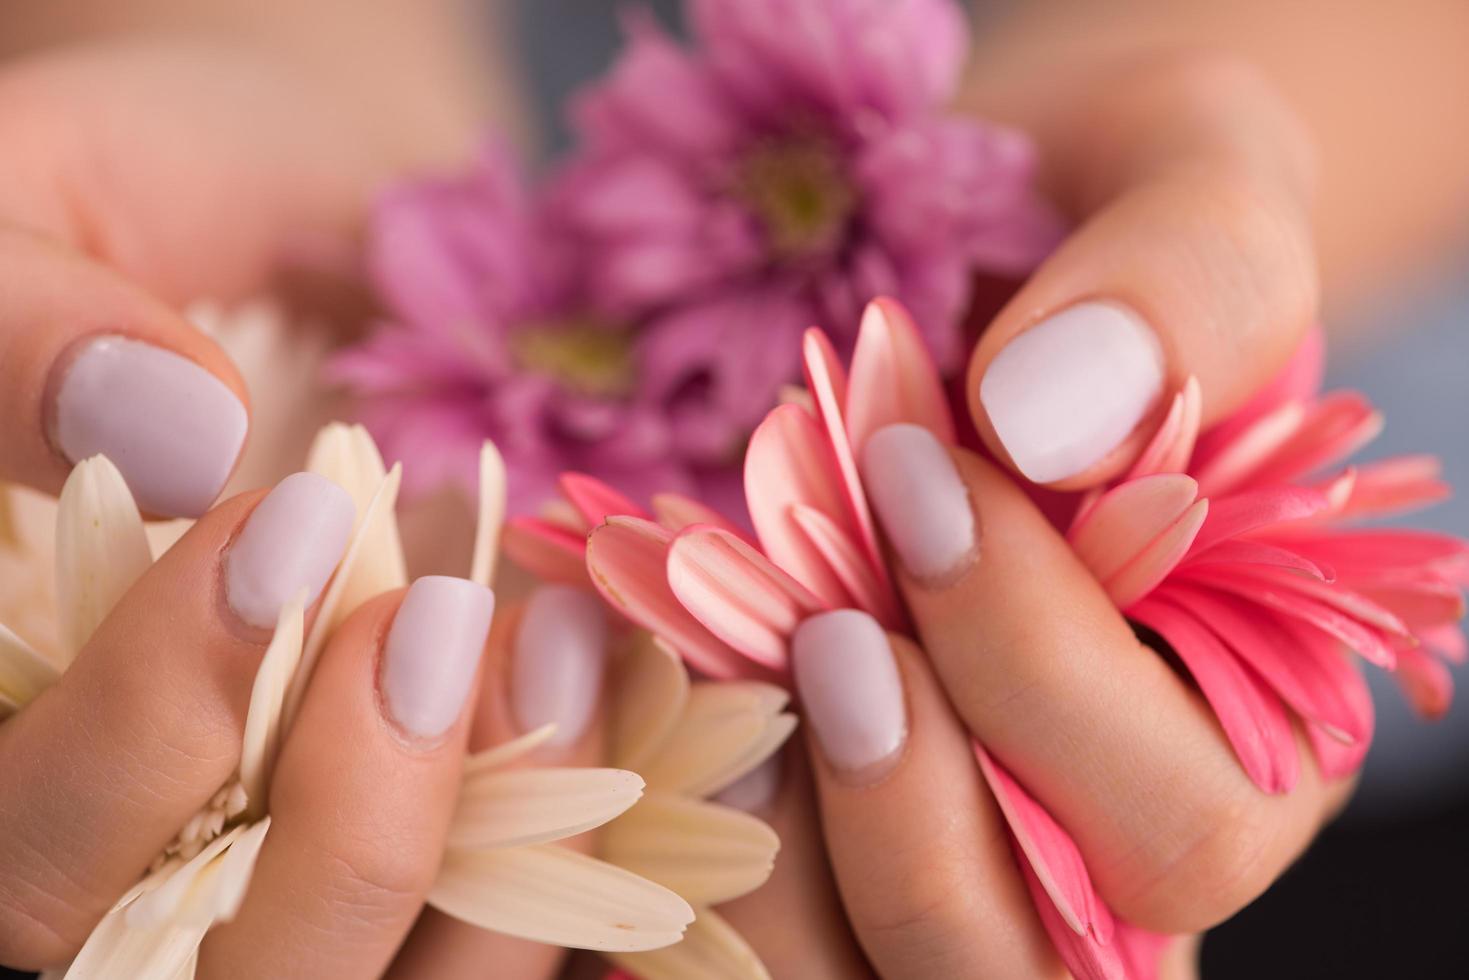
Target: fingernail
[920, 499]
[292, 541]
[169, 426]
[1066, 392]
[849, 684]
[755, 790]
[560, 653]
[432, 651]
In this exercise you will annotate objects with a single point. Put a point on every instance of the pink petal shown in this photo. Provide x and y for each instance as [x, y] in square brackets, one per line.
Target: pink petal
[1223, 469]
[676, 512]
[826, 383]
[1245, 552]
[1085, 957]
[1315, 679]
[1299, 381]
[1426, 682]
[1420, 606]
[1446, 641]
[1252, 716]
[1173, 443]
[788, 463]
[548, 551]
[1128, 518]
[1351, 551]
[1242, 513]
[894, 378]
[1049, 852]
[1336, 759]
[737, 593]
[1142, 951]
[627, 558]
[869, 592]
[595, 500]
[1334, 427]
[1392, 486]
[1151, 566]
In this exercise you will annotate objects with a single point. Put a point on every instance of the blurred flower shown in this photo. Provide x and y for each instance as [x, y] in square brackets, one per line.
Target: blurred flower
[729, 603]
[484, 342]
[797, 161]
[1237, 553]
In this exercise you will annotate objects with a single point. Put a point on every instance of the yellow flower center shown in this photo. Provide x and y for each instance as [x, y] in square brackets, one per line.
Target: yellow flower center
[588, 358]
[798, 190]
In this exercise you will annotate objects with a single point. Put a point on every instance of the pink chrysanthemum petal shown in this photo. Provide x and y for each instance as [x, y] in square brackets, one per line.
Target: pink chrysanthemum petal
[1173, 444]
[1084, 956]
[1128, 518]
[1392, 486]
[1242, 513]
[1426, 682]
[549, 551]
[594, 500]
[1050, 853]
[1299, 381]
[851, 566]
[1246, 552]
[1153, 564]
[676, 512]
[1253, 716]
[1226, 467]
[1315, 679]
[1336, 759]
[894, 378]
[1419, 605]
[1142, 951]
[1447, 641]
[1334, 427]
[627, 558]
[789, 463]
[1370, 551]
[737, 594]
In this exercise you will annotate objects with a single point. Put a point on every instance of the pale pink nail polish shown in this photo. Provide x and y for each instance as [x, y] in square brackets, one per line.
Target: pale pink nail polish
[432, 651]
[920, 499]
[849, 684]
[560, 656]
[169, 426]
[1066, 392]
[292, 541]
[755, 790]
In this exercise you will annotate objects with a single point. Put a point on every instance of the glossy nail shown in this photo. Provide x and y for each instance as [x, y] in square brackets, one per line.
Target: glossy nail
[559, 660]
[432, 650]
[170, 427]
[1068, 391]
[292, 541]
[920, 499]
[849, 684]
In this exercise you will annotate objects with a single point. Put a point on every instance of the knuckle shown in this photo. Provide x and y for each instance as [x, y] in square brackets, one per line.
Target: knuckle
[375, 879]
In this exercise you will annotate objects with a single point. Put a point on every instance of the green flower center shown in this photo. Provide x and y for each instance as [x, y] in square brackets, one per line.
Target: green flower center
[800, 193]
[585, 357]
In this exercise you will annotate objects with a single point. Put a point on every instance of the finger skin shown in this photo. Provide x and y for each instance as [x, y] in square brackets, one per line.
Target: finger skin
[1048, 675]
[1193, 183]
[800, 889]
[922, 856]
[444, 947]
[104, 768]
[359, 813]
[53, 300]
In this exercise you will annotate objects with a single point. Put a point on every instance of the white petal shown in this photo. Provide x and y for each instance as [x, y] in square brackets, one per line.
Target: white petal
[491, 520]
[513, 807]
[499, 756]
[707, 852]
[711, 950]
[262, 739]
[24, 673]
[349, 585]
[549, 894]
[347, 456]
[651, 689]
[727, 728]
[167, 892]
[101, 548]
[115, 949]
[231, 875]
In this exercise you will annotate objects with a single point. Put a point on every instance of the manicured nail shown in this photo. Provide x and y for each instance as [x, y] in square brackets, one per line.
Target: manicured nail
[432, 651]
[292, 541]
[755, 790]
[560, 653]
[849, 683]
[922, 503]
[1066, 392]
[170, 427]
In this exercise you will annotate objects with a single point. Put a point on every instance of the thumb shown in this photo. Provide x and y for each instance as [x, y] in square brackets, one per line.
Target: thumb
[1195, 258]
[91, 364]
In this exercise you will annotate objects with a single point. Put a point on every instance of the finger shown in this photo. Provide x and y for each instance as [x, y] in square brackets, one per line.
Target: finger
[920, 851]
[546, 663]
[801, 887]
[1049, 677]
[104, 768]
[1194, 257]
[364, 791]
[89, 364]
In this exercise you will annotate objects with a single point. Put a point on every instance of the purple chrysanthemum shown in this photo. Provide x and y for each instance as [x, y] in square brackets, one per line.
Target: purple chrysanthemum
[795, 162]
